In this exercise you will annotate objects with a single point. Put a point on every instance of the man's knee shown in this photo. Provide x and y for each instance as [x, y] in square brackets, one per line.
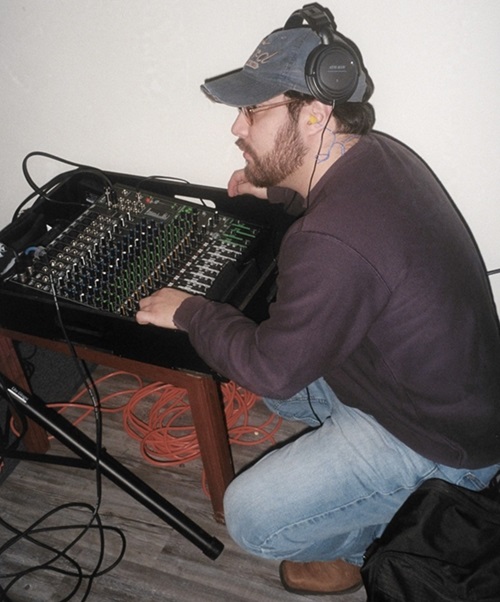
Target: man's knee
[247, 517]
[238, 515]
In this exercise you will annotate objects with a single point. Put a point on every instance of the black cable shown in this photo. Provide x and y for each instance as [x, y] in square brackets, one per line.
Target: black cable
[312, 407]
[3, 595]
[76, 572]
[44, 190]
[95, 520]
[322, 137]
[86, 378]
[48, 186]
[79, 168]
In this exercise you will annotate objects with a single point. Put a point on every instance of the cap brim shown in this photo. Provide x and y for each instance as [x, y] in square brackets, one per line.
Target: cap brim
[239, 89]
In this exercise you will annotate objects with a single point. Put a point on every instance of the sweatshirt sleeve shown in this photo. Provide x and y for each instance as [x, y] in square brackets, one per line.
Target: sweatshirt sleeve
[328, 295]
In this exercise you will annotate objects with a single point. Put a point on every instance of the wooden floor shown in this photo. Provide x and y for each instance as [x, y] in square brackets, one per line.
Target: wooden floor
[159, 564]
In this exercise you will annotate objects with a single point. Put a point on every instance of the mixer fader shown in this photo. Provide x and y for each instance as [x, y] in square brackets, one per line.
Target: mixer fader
[129, 243]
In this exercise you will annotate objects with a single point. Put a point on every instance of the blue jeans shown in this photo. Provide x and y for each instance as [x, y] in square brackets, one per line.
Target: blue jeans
[331, 492]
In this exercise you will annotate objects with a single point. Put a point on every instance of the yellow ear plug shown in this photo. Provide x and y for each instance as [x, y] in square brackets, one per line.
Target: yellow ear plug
[312, 120]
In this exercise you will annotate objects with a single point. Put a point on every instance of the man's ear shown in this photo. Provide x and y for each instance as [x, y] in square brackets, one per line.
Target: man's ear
[318, 114]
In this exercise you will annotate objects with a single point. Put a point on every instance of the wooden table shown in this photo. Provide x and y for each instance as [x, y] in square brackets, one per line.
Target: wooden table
[112, 340]
[203, 393]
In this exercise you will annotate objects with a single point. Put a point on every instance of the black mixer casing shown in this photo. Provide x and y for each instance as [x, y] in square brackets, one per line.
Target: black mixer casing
[101, 250]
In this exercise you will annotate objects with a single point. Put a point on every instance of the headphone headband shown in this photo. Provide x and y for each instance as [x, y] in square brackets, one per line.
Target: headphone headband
[319, 18]
[334, 70]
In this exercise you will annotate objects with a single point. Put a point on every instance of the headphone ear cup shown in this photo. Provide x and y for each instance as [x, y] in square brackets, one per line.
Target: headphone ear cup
[332, 73]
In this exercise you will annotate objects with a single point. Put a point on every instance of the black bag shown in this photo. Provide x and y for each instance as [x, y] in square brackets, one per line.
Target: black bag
[443, 545]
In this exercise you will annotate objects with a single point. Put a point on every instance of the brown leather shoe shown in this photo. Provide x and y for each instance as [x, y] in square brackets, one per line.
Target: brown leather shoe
[330, 577]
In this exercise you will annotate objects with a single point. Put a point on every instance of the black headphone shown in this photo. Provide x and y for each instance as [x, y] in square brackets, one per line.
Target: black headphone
[334, 70]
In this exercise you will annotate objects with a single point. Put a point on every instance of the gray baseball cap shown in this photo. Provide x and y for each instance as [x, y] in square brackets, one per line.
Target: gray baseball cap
[276, 66]
[289, 60]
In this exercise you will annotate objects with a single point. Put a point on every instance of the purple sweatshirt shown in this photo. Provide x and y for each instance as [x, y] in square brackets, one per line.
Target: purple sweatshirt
[382, 292]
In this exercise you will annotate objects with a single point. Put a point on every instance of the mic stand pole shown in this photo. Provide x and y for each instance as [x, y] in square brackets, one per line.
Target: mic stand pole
[83, 446]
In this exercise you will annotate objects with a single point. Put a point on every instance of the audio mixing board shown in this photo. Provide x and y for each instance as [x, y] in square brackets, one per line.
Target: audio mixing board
[98, 250]
[130, 243]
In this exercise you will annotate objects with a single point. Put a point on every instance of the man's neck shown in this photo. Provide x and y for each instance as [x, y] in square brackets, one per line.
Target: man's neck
[333, 147]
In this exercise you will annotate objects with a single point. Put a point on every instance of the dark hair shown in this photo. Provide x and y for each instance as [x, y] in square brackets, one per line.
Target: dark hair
[352, 117]
[355, 117]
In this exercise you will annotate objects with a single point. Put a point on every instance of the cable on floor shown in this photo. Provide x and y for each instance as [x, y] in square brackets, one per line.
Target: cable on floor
[59, 561]
[158, 416]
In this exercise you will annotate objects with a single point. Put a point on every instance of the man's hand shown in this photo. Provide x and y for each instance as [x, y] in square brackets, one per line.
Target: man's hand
[238, 184]
[160, 307]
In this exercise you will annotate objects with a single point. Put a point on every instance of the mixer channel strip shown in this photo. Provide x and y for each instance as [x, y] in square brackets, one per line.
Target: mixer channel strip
[129, 244]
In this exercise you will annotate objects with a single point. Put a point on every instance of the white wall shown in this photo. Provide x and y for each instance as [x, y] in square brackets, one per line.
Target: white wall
[115, 84]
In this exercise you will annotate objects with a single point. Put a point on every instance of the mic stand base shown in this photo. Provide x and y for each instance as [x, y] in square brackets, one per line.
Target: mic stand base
[54, 423]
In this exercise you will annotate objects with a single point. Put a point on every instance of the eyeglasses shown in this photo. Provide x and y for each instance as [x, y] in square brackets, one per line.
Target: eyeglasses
[249, 112]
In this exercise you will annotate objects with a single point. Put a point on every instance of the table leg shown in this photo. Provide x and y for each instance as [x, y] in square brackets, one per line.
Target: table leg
[211, 430]
[35, 439]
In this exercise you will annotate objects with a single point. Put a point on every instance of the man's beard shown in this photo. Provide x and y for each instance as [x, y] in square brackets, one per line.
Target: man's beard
[274, 167]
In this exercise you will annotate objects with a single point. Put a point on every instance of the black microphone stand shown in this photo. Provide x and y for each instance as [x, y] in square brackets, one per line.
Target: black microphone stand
[32, 406]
